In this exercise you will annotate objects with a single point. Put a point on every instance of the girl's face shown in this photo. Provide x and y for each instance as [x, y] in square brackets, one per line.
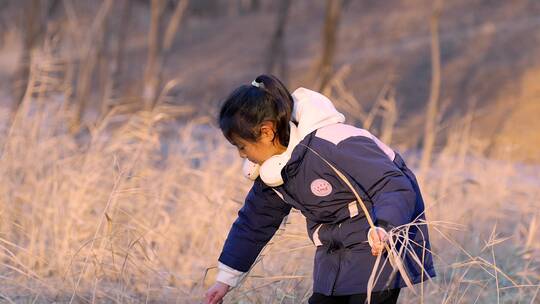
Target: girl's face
[262, 149]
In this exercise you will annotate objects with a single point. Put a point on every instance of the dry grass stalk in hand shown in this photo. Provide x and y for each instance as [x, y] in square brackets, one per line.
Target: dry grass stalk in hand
[393, 255]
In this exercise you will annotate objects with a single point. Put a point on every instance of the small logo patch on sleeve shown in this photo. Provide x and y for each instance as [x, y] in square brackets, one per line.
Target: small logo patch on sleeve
[321, 187]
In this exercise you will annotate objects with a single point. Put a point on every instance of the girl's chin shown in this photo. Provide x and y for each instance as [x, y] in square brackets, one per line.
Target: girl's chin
[258, 162]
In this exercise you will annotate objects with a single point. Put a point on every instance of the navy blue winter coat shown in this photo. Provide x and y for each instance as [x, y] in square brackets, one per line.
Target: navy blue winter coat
[343, 259]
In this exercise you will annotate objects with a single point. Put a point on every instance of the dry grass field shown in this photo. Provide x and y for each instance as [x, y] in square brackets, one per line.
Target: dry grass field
[137, 208]
[105, 200]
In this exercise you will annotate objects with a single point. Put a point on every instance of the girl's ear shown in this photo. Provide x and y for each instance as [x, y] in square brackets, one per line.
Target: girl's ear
[268, 134]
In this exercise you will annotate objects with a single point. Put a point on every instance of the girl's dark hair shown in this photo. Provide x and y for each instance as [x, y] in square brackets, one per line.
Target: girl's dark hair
[248, 106]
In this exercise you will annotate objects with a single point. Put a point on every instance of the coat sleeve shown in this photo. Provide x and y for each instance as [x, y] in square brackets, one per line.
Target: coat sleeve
[391, 193]
[258, 220]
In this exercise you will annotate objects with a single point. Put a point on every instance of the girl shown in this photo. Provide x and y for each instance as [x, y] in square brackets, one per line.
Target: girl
[285, 140]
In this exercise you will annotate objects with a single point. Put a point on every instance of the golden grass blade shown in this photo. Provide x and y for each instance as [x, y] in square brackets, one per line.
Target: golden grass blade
[56, 184]
[371, 280]
[348, 183]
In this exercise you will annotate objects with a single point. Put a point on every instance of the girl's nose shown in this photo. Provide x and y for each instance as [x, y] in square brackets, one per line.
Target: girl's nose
[242, 154]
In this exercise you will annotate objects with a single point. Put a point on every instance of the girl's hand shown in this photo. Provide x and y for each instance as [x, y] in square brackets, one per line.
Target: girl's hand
[215, 294]
[377, 238]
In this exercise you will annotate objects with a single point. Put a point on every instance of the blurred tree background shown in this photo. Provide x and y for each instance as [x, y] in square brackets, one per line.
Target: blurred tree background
[116, 185]
[127, 51]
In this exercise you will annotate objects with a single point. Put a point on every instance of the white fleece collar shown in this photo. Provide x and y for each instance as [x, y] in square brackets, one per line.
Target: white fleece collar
[311, 111]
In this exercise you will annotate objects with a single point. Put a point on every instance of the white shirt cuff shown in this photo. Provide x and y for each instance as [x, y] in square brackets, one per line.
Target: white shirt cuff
[228, 275]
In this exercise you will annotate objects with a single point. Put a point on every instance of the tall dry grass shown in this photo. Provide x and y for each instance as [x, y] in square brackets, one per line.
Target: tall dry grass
[117, 214]
[137, 208]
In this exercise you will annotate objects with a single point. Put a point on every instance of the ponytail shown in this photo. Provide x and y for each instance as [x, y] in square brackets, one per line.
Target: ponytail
[266, 99]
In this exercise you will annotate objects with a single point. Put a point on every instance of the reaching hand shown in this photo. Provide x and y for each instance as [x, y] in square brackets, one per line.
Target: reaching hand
[215, 294]
[377, 240]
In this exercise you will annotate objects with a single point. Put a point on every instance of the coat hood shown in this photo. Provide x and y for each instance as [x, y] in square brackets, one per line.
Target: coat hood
[311, 111]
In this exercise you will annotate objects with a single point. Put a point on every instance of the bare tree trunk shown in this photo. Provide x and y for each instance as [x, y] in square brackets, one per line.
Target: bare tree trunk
[3, 23]
[247, 6]
[389, 116]
[37, 12]
[159, 45]
[430, 127]
[32, 32]
[121, 46]
[105, 65]
[255, 5]
[277, 57]
[90, 59]
[324, 70]
[151, 74]
[112, 65]
[174, 23]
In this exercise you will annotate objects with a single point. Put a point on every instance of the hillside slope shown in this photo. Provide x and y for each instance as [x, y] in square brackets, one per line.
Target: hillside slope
[487, 48]
[489, 53]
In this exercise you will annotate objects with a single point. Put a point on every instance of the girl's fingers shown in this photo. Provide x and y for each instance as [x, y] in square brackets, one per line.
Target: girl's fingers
[216, 293]
[378, 235]
[210, 298]
[383, 236]
[217, 298]
[377, 248]
[377, 238]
